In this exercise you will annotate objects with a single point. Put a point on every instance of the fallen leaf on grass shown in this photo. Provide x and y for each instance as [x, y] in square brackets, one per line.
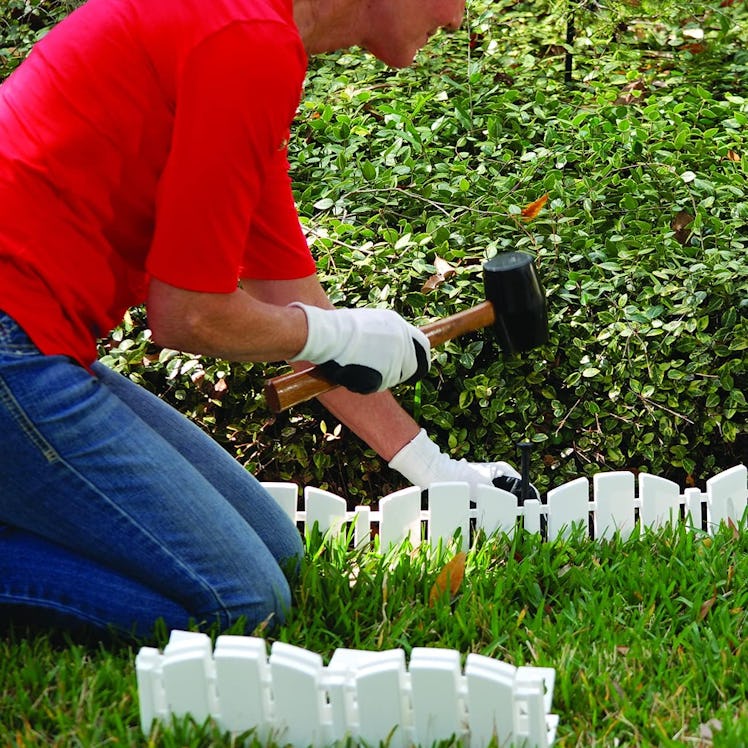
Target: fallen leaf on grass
[734, 528]
[530, 212]
[450, 578]
[706, 606]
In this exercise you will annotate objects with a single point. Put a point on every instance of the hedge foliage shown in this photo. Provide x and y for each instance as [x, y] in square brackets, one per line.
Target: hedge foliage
[407, 181]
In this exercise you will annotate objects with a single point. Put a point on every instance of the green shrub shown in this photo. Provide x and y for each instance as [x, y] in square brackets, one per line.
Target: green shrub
[647, 360]
[403, 175]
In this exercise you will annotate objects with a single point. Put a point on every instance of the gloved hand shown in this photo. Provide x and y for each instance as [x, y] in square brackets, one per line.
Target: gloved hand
[422, 463]
[365, 350]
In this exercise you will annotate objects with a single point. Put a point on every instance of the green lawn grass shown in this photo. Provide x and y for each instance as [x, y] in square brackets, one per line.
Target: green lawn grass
[647, 637]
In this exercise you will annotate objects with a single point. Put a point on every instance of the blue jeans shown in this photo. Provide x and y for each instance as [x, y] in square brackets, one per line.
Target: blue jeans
[118, 510]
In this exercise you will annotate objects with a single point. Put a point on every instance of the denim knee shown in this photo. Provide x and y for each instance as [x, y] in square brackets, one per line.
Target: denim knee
[266, 602]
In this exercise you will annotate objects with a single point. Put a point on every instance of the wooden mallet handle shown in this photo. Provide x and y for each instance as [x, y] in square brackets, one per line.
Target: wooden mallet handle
[291, 389]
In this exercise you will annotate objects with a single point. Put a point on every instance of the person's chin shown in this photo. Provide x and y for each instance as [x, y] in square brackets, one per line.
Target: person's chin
[396, 58]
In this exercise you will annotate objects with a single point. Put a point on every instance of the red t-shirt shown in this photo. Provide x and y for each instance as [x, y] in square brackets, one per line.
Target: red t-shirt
[142, 139]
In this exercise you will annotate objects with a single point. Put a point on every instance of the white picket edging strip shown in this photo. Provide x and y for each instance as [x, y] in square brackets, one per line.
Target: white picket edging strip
[615, 506]
[371, 697]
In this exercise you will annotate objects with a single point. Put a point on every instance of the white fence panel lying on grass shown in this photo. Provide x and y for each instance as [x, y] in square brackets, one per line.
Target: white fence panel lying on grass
[371, 697]
[618, 502]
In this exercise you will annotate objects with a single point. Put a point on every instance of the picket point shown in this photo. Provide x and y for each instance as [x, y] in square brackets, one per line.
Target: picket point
[340, 684]
[495, 510]
[189, 676]
[400, 518]
[568, 507]
[384, 710]
[299, 708]
[614, 503]
[727, 496]
[287, 495]
[243, 684]
[660, 501]
[148, 668]
[439, 710]
[324, 509]
[449, 511]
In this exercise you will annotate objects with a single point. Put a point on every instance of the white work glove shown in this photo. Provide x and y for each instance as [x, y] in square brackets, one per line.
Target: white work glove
[365, 350]
[422, 462]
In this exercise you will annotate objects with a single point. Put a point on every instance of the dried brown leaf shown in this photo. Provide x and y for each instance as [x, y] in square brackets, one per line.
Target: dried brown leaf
[680, 225]
[502, 77]
[475, 39]
[706, 607]
[733, 156]
[444, 268]
[696, 48]
[731, 524]
[631, 92]
[530, 212]
[433, 283]
[444, 271]
[449, 579]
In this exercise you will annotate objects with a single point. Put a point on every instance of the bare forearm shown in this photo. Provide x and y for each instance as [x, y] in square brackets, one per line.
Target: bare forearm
[377, 419]
[235, 326]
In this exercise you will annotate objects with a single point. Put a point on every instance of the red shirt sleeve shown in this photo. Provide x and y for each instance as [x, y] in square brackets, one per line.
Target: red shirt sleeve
[226, 182]
[276, 247]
